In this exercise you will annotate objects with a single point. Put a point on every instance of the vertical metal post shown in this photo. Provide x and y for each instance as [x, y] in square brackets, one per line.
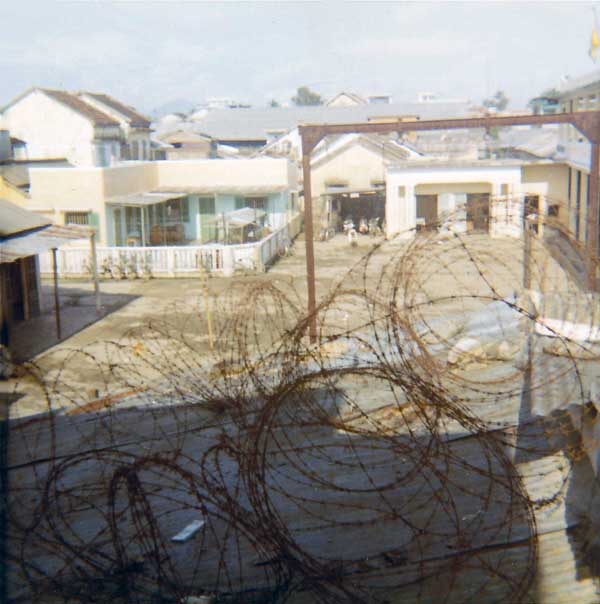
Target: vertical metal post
[95, 272]
[592, 217]
[56, 298]
[526, 251]
[310, 252]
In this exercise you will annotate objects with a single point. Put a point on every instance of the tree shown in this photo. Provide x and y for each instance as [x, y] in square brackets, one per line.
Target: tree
[305, 96]
[499, 101]
[273, 103]
[551, 93]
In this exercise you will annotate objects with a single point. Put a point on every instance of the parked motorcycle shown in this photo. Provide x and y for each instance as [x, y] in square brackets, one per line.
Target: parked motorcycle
[363, 226]
[350, 231]
[374, 228]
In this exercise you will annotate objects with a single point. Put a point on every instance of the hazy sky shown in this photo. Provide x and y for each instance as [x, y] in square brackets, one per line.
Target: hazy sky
[148, 53]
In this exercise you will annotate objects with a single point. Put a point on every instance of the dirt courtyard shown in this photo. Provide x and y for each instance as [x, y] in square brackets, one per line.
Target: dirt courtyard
[484, 267]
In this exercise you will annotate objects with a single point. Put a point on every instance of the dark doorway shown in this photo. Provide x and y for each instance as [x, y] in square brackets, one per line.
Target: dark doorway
[427, 211]
[357, 206]
[478, 212]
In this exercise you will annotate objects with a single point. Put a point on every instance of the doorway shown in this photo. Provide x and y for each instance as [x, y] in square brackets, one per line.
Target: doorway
[478, 212]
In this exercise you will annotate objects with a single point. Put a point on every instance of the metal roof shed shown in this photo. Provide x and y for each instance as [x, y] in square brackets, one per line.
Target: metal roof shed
[24, 234]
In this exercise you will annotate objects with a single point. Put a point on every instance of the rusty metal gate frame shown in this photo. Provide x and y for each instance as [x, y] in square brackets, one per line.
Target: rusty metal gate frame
[587, 122]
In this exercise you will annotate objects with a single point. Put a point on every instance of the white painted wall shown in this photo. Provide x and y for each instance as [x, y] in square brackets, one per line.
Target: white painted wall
[51, 129]
[401, 208]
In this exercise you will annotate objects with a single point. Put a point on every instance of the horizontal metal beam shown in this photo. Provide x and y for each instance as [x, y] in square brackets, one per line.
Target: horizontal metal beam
[587, 122]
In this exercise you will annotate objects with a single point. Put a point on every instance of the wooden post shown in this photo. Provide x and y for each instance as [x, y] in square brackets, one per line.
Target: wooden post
[310, 253]
[56, 297]
[143, 227]
[95, 273]
[207, 307]
[526, 251]
[25, 289]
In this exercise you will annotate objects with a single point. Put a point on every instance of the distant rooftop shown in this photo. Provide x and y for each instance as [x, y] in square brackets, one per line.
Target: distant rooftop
[571, 85]
[255, 124]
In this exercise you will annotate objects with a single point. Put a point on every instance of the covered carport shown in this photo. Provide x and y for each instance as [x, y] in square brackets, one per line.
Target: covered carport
[24, 235]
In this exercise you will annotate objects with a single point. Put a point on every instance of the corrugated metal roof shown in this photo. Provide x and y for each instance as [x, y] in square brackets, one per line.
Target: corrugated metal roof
[244, 216]
[226, 189]
[15, 220]
[572, 85]
[540, 142]
[39, 241]
[255, 124]
[145, 199]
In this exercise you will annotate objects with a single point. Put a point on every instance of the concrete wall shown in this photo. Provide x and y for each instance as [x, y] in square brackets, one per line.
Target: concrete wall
[548, 181]
[356, 166]
[130, 178]
[404, 183]
[263, 172]
[56, 190]
[51, 129]
[12, 193]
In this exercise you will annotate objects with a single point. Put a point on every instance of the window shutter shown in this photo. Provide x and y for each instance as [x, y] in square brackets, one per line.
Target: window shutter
[239, 203]
[94, 220]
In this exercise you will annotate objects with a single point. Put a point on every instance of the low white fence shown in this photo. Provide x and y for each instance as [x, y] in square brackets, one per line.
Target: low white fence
[174, 261]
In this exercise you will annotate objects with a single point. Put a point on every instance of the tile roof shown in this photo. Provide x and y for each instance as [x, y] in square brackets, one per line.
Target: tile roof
[136, 119]
[96, 116]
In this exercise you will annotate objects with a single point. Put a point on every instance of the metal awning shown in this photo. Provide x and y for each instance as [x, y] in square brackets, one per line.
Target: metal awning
[225, 189]
[41, 240]
[139, 200]
[244, 216]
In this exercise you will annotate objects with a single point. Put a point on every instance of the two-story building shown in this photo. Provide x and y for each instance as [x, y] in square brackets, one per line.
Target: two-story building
[135, 127]
[56, 124]
[85, 129]
[577, 94]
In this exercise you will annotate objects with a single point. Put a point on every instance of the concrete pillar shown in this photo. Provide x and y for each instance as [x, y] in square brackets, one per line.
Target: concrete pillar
[228, 261]
[410, 215]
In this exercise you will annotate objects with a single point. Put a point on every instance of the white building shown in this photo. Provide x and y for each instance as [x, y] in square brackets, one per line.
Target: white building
[135, 126]
[87, 129]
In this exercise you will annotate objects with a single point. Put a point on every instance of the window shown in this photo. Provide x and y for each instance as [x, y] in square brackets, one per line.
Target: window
[207, 206]
[102, 155]
[176, 210]
[401, 192]
[256, 203]
[77, 218]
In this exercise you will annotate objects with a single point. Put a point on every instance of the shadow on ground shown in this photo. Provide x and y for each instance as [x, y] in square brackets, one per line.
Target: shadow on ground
[77, 311]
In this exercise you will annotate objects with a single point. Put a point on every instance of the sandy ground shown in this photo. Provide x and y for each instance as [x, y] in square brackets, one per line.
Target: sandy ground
[458, 279]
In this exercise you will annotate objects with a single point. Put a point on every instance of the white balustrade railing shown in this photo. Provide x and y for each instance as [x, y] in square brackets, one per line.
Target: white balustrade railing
[173, 261]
